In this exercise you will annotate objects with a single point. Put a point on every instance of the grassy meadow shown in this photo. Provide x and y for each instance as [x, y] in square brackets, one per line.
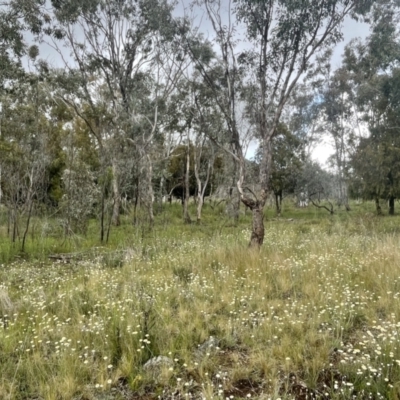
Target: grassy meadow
[315, 314]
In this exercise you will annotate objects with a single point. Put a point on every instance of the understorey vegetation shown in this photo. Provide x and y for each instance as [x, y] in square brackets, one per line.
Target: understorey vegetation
[197, 314]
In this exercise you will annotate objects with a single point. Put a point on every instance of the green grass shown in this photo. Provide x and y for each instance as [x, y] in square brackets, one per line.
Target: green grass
[316, 309]
[46, 235]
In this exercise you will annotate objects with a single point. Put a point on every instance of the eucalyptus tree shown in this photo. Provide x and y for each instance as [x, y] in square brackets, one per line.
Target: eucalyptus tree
[181, 154]
[340, 122]
[24, 153]
[315, 185]
[287, 162]
[376, 161]
[123, 60]
[199, 122]
[17, 17]
[226, 91]
[302, 115]
[374, 67]
[208, 123]
[287, 42]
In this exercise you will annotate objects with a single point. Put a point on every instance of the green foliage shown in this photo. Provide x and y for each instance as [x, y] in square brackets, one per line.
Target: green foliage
[293, 24]
[17, 17]
[287, 161]
[375, 72]
[80, 195]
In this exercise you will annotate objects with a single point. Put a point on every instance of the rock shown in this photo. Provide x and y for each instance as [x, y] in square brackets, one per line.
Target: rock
[208, 347]
[156, 364]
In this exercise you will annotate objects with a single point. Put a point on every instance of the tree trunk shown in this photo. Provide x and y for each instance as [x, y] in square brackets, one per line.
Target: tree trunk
[102, 215]
[199, 207]
[137, 200]
[257, 206]
[258, 231]
[186, 216]
[344, 196]
[28, 220]
[278, 203]
[29, 200]
[201, 189]
[14, 223]
[110, 220]
[8, 222]
[150, 191]
[162, 180]
[346, 200]
[378, 206]
[235, 201]
[391, 205]
[116, 207]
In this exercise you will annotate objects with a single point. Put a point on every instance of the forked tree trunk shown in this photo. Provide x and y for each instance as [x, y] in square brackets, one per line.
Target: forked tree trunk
[257, 210]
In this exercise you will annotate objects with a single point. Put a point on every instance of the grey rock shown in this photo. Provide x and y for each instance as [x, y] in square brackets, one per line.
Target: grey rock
[208, 347]
[155, 364]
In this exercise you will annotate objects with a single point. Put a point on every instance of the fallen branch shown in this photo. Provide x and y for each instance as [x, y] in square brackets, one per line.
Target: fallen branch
[331, 211]
[60, 257]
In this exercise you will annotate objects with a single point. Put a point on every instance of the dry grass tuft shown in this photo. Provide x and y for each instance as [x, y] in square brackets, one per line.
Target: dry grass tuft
[6, 305]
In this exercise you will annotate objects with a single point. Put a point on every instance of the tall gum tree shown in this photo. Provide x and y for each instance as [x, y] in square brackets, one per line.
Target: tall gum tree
[122, 54]
[284, 42]
[340, 121]
[374, 68]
